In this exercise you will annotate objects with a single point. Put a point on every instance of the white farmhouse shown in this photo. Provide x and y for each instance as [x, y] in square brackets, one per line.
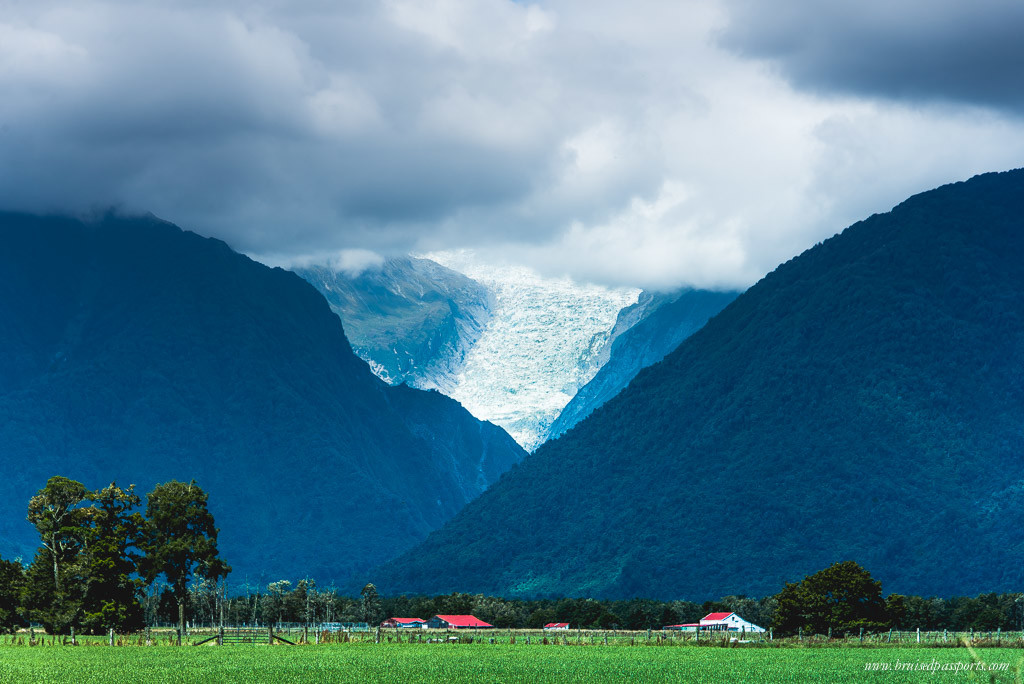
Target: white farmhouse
[730, 622]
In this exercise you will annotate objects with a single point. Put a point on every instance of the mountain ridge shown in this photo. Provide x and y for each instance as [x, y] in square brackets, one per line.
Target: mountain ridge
[142, 352]
[861, 401]
[411, 319]
[643, 334]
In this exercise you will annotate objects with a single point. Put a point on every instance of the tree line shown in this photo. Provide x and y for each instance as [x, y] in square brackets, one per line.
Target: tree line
[98, 555]
[102, 564]
[841, 599]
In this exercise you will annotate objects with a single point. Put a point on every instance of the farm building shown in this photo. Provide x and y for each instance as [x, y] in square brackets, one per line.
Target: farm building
[728, 622]
[404, 623]
[718, 622]
[456, 622]
[557, 625]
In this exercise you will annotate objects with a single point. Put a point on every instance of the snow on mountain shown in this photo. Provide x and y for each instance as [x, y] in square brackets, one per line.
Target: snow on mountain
[542, 343]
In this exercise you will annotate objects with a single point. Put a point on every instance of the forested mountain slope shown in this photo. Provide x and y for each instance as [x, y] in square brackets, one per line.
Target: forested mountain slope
[863, 401]
[138, 352]
[654, 326]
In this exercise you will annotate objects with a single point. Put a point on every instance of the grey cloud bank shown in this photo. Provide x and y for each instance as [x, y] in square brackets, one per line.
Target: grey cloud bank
[645, 145]
[942, 50]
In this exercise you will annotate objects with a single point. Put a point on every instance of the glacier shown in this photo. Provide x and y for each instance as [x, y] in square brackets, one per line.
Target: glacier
[542, 343]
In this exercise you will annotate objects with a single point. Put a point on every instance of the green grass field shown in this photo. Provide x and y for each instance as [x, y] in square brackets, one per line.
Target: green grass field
[364, 662]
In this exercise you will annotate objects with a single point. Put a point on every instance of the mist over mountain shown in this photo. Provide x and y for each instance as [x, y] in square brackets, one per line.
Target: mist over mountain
[137, 352]
[862, 401]
[643, 334]
[411, 319]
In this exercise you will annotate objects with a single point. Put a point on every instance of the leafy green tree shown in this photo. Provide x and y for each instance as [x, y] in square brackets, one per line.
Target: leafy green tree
[112, 598]
[56, 512]
[370, 608]
[540, 617]
[896, 610]
[843, 597]
[40, 600]
[12, 582]
[455, 604]
[297, 605]
[180, 540]
[274, 600]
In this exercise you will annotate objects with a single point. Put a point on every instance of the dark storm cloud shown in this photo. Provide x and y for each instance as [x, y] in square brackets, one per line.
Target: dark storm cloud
[617, 142]
[951, 50]
[276, 126]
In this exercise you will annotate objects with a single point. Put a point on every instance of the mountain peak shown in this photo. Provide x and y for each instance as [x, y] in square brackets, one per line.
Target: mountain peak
[861, 401]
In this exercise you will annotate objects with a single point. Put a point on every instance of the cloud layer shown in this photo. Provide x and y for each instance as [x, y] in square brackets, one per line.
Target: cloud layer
[912, 50]
[651, 144]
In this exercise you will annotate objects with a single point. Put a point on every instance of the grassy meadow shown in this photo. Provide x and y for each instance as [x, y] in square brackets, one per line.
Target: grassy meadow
[499, 662]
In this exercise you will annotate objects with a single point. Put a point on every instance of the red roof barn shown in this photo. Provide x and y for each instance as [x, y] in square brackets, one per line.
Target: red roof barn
[456, 622]
[715, 617]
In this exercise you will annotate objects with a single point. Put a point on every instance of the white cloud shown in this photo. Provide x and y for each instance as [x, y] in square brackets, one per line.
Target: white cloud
[617, 143]
[351, 262]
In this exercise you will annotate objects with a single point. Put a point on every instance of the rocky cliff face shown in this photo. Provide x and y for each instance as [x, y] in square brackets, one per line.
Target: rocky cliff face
[411, 319]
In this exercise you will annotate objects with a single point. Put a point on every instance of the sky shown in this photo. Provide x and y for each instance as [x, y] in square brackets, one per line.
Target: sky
[648, 144]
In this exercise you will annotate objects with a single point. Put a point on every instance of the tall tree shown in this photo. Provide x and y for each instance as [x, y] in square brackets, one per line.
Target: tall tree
[12, 579]
[843, 597]
[274, 601]
[180, 540]
[112, 589]
[56, 512]
[370, 608]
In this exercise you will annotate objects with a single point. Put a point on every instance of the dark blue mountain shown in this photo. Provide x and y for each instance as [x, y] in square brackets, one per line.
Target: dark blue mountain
[644, 333]
[135, 351]
[863, 401]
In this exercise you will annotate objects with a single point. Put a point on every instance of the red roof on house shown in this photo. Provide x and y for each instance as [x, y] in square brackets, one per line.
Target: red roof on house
[405, 621]
[463, 621]
[716, 616]
[556, 625]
